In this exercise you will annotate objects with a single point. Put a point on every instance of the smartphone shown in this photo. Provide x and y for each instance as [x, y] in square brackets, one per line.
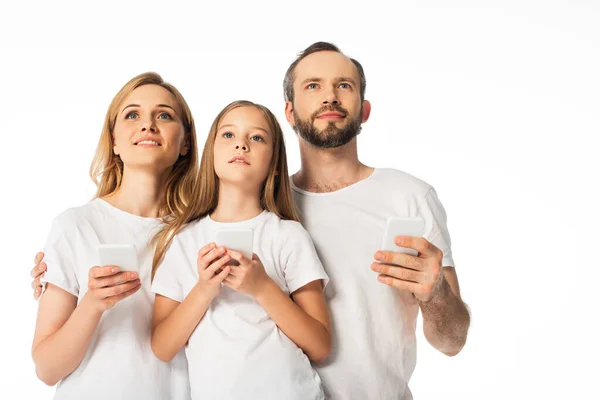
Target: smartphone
[237, 239]
[123, 256]
[404, 226]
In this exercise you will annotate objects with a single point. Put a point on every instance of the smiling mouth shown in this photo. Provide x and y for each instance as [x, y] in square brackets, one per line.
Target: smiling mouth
[147, 143]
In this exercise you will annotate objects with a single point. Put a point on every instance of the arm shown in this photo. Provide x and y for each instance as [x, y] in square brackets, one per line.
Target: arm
[305, 319]
[446, 319]
[173, 322]
[64, 329]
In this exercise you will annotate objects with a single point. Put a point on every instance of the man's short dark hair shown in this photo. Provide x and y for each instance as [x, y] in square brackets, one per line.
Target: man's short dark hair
[288, 81]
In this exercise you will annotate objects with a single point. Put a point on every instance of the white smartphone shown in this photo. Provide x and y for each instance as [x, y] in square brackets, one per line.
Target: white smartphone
[404, 226]
[237, 239]
[123, 256]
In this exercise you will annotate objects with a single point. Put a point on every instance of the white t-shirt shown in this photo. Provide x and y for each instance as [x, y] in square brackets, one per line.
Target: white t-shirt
[237, 351]
[374, 350]
[119, 363]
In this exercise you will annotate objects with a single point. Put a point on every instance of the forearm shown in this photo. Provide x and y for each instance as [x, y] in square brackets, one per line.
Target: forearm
[308, 333]
[446, 321]
[59, 354]
[172, 333]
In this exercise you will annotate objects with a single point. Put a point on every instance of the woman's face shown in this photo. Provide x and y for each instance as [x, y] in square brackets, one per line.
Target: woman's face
[149, 132]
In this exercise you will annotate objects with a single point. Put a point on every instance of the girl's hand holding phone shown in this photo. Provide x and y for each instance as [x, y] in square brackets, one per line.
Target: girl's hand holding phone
[249, 277]
[212, 268]
[107, 286]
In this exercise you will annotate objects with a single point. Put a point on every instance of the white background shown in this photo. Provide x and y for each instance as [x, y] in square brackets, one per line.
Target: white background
[494, 103]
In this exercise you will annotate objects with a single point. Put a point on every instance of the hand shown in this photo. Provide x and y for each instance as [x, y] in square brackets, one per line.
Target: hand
[212, 269]
[107, 286]
[37, 273]
[421, 275]
[249, 277]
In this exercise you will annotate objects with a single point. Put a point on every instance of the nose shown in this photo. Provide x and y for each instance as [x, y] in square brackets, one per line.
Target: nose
[243, 147]
[148, 125]
[331, 97]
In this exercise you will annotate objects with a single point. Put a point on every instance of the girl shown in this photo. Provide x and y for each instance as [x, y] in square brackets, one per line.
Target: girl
[246, 338]
[93, 327]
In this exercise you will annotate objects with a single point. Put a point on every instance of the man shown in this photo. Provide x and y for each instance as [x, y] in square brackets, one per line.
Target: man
[374, 296]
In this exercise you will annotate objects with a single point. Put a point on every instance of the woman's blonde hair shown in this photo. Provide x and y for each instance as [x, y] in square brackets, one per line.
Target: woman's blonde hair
[107, 168]
[276, 195]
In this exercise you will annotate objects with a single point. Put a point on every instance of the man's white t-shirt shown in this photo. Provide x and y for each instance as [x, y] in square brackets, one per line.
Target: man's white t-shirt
[237, 351]
[119, 363]
[374, 349]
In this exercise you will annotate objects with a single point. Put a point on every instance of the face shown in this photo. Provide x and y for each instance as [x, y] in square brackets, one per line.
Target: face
[327, 110]
[243, 147]
[149, 131]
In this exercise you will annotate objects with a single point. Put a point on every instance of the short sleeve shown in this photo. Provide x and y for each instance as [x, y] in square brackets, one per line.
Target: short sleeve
[301, 264]
[166, 280]
[436, 229]
[59, 256]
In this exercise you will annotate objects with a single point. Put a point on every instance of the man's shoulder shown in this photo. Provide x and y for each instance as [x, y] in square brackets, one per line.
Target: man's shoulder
[399, 180]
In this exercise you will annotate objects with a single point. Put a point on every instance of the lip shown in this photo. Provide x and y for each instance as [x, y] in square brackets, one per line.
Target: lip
[150, 138]
[331, 115]
[239, 157]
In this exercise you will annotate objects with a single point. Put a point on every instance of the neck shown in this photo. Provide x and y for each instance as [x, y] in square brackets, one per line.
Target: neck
[328, 170]
[236, 203]
[141, 193]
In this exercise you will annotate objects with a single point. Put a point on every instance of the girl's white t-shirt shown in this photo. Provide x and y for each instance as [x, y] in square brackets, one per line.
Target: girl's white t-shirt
[119, 363]
[237, 351]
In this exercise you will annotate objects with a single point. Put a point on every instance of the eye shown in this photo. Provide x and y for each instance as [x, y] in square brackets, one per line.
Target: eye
[312, 86]
[227, 135]
[345, 86]
[165, 115]
[257, 138]
[131, 115]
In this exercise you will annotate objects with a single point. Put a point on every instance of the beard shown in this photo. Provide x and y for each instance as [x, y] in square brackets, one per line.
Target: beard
[332, 136]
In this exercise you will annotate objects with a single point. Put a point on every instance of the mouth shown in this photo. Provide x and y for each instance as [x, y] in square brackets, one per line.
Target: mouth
[331, 115]
[239, 160]
[146, 142]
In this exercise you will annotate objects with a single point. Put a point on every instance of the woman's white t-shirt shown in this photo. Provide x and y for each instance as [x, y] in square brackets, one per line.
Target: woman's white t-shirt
[119, 363]
[237, 351]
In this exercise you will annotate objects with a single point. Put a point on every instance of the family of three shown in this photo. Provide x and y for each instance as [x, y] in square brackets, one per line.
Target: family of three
[317, 311]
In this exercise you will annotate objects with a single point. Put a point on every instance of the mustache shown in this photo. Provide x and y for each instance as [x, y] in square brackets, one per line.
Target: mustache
[329, 108]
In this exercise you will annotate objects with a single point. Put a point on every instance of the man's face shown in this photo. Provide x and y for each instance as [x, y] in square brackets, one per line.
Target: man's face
[327, 110]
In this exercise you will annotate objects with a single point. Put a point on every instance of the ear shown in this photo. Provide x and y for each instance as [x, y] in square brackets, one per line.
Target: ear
[289, 113]
[185, 148]
[366, 111]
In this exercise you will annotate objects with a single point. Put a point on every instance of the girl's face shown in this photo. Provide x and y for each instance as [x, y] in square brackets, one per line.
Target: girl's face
[149, 131]
[243, 147]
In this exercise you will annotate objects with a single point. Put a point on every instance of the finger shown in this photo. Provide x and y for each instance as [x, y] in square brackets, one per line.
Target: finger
[405, 260]
[217, 265]
[115, 299]
[417, 243]
[37, 293]
[38, 269]
[209, 258]
[100, 272]
[121, 277]
[221, 276]
[113, 291]
[402, 273]
[205, 250]
[239, 257]
[399, 284]
[36, 283]
[38, 257]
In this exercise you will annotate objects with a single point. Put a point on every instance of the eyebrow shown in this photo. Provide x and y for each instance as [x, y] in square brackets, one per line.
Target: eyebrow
[158, 105]
[252, 128]
[340, 79]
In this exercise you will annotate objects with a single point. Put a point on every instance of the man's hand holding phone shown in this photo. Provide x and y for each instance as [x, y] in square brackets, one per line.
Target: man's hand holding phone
[408, 261]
